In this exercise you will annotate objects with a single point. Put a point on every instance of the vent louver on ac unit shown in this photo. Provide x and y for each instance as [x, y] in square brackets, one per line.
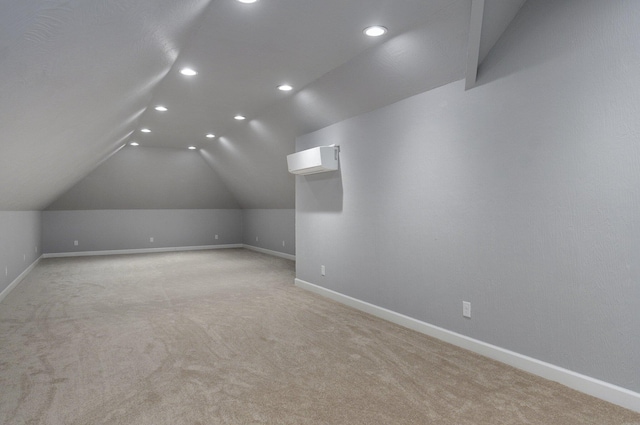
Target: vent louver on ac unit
[314, 160]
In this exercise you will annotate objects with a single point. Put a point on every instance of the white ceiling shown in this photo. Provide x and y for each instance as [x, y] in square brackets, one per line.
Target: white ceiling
[80, 79]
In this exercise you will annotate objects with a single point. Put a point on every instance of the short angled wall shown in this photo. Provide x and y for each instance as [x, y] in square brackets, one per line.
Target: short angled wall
[594, 387]
[270, 252]
[132, 231]
[139, 251]
[20, 246]
[17, 280]
[271, 231]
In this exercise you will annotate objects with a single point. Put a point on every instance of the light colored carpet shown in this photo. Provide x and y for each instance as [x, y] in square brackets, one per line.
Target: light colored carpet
[223, 337]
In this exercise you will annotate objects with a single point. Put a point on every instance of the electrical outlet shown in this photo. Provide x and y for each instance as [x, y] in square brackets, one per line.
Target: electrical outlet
[282, 243]
[216, 236]
[466, 309]
[322, 270]
[256, 239]
[75, 243]
[6, 271]
[24, 257]
[151, 239]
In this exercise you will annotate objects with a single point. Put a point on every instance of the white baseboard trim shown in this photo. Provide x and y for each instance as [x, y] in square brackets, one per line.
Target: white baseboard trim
[18, 279]
[594, 387]
[139, 251]
[270, 252]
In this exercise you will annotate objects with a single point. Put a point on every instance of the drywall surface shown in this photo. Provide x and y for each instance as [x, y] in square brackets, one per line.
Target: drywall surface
[105, 230]
[270, 229]
[149, 178]
[251, 159]
[20, 243]
[521, 196]
[75, 78]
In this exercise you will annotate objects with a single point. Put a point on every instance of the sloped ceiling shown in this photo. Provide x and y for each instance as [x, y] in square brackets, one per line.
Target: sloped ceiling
[80, 79]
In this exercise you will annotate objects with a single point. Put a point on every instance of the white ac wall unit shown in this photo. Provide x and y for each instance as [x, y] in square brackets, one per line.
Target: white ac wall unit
[314, 160]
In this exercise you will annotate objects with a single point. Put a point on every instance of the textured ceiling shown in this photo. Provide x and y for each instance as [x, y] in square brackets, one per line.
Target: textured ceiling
[80, 79]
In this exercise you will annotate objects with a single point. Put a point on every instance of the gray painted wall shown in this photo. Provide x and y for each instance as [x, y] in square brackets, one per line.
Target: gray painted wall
[101, 230]
[20, 243]
[521, 196]
[149, 178]
[272, 228]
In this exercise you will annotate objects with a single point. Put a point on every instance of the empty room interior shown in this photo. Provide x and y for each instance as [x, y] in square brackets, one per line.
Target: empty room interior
[320, 212]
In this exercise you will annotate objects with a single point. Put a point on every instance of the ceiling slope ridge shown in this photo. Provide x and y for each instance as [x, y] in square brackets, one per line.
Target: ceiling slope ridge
[497, 19]
[251, 157]
[192, 32]
[245, 51]
[64, 87]
[372, 55]
[284, 102]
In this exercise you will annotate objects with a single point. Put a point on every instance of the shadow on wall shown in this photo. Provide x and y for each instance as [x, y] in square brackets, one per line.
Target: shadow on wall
[322, 192]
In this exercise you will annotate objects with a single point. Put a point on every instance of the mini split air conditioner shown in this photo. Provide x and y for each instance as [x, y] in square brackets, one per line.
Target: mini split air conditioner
[315, 160]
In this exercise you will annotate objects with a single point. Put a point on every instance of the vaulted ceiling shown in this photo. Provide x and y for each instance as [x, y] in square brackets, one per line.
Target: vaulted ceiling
[80, 80]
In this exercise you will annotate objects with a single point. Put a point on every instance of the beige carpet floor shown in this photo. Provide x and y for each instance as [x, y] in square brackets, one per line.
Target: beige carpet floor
[223, 337]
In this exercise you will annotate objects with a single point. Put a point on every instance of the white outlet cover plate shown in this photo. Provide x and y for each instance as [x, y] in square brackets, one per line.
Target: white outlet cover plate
[466, 309]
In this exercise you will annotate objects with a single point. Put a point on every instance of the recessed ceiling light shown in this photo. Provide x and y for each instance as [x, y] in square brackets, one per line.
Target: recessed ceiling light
[285, 87]
[247, 1]
[192, 147]
[188, 72]
[134, 143]
[240, 117]
[145, 130]
[161, 108]
[210, 136]
[375, 31]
